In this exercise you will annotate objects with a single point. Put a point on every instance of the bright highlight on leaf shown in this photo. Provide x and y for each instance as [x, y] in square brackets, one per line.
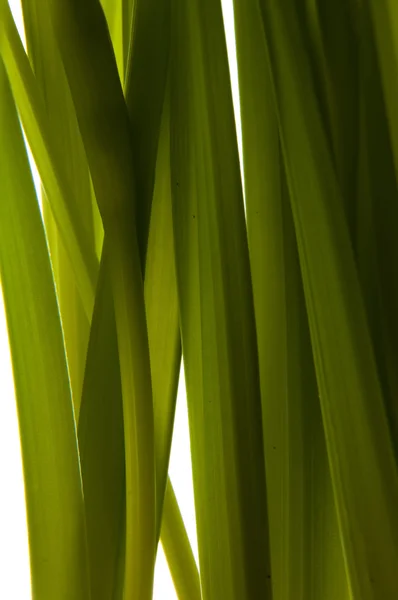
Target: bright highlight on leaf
[284, 310]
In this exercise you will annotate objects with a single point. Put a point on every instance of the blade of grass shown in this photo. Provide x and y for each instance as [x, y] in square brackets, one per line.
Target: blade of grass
[263, 170]
[101, 437]
[50, 76]
[119, 222]
[91, 70]
[113, 10]
[335, 70]
[127, 10]
[58, 191]
[75, 322]
[359, 446]
[216, 311]
[385, 23]
[303, 525]
[101, 443]
[169, 419]
[57, 536]
[377, 222]
[314, 557]
[178, 551]
[98, 173]
[146, 75]
[161, 303]
[102, 379]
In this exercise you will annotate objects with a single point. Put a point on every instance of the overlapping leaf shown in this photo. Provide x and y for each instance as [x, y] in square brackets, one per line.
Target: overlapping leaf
[358, 440]
[216, 311]
[54, 496]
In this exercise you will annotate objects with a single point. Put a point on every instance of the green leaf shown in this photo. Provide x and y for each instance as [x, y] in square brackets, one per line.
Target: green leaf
[335, 71]
[161, 303]
[358, 441]
[377, 246]
[306, 553]
[385, 25]
[102, 115]
[146, 75]
[101, 443]
[177, 548]
[113, 10]
[101, 417]
[58, 189]
[57, 536]
[120, 262]
[69, 152]
[216, 311]
[127, 18]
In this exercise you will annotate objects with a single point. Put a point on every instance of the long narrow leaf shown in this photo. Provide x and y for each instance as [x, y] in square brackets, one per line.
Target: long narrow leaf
[359, 445]
[146, 75]
[306, 553]
[54, 497]
[216, 311]
[101, 416]
[68, 151]
[58, 190]
[104, 124]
